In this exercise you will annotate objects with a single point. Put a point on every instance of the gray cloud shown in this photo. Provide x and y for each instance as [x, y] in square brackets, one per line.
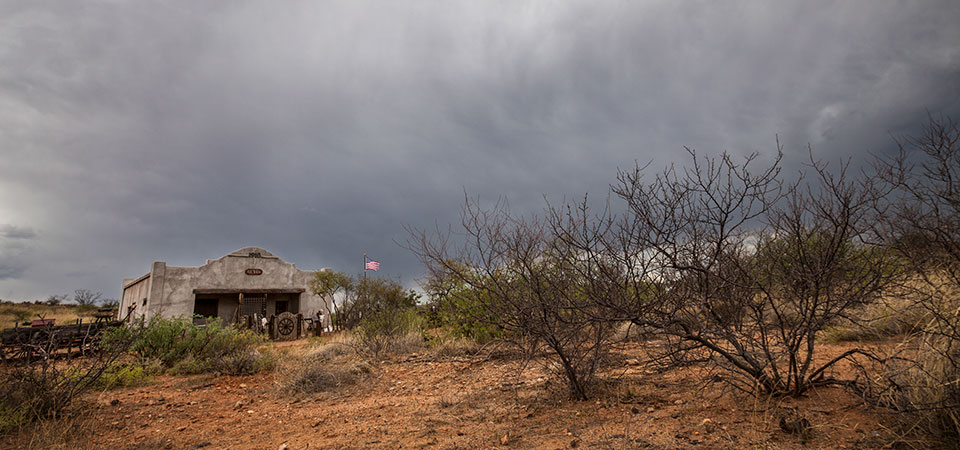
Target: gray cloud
[14, 232]
[178, 131]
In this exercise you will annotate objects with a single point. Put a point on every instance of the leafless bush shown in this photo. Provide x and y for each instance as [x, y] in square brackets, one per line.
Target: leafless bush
[752, 269]
[527, 282]
[920, 220]
[46, 386]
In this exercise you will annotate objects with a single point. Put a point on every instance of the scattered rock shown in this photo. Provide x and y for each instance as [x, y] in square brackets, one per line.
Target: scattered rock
[634, 410]
[114, 402]
[238, 405]
[505, 439]
[202, 444]
[651, 409]
[243, 386]
[575, 443]
[708, 425]
[283, 446]
[182, 428]
[678, 402]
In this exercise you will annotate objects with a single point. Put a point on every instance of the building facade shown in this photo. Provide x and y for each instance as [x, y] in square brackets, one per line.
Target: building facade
[250, 281]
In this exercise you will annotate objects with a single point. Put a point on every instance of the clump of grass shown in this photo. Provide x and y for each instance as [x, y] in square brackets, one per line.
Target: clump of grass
[126, 374]
[879, 320]
[929, 390]
[449, 348]
[333, 366]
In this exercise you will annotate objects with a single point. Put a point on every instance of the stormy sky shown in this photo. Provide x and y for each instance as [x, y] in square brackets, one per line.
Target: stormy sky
[181, 130]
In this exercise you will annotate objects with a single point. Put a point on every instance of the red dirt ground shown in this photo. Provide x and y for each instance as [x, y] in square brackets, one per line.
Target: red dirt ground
[466, 403]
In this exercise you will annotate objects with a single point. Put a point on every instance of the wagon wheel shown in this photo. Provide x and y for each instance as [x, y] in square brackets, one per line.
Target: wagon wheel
[286, 326]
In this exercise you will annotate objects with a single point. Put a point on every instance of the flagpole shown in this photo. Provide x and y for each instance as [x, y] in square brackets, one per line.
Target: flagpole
[364, 265]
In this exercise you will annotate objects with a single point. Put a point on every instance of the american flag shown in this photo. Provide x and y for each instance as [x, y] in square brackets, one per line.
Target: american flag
[372, 265]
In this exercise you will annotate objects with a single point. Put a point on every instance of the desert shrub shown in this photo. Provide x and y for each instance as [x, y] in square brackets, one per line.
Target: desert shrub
[461, 310]
[329, 368]
[920, 220]
[528, 278]
[361, 297]
[935, 391]
[390, 331]
[46, 386]
[126, 374]
[183, 347]
[753, 269]
[338, 345]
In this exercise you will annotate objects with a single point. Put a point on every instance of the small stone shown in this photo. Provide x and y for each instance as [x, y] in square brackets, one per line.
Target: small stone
[249, 411]
[238, 405]
[651, 409]
[114, 402]
[182, 428]
[283, 446]
[678, 402]
[708, 425]
[243, 386]
[634, 410]
[505, 439]
[575, 443]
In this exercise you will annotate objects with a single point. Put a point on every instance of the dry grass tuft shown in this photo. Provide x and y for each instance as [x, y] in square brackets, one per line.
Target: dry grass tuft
[333, 365]
[67, 433]
[451, 348]
[880, 320]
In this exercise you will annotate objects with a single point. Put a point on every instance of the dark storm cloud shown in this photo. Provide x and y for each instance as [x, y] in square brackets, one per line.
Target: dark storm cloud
[176, 131]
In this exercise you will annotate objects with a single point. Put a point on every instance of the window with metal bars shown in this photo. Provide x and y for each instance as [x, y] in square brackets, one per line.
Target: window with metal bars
[254, 304]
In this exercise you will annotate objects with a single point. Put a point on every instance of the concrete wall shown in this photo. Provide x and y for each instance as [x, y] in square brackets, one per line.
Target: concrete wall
[172, 290]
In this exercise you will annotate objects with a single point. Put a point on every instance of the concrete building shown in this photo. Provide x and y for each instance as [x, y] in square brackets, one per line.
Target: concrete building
[245, 282]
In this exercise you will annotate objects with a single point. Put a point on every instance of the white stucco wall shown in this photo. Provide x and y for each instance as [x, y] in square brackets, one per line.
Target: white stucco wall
[171, 291]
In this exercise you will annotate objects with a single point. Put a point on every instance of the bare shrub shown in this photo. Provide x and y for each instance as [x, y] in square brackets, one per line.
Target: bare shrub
[752, 270]
[920, 221]
[523, 279]
[45, 387]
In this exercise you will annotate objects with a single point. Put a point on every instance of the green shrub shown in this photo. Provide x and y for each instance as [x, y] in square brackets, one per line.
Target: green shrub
[13, 417]
[127, 374]
[390, 331]
[182, 347]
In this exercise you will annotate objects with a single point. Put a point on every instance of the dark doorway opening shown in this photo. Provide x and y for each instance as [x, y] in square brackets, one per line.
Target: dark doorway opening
[282, 306]
[206, 307]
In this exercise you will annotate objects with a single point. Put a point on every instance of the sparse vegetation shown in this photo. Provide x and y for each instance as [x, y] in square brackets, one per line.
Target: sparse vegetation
[720, 266]
[180, 346]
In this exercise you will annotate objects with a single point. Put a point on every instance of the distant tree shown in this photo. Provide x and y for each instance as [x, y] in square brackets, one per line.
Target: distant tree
[328, 283]
[86, 297]
[110, 303]
[57, 299]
